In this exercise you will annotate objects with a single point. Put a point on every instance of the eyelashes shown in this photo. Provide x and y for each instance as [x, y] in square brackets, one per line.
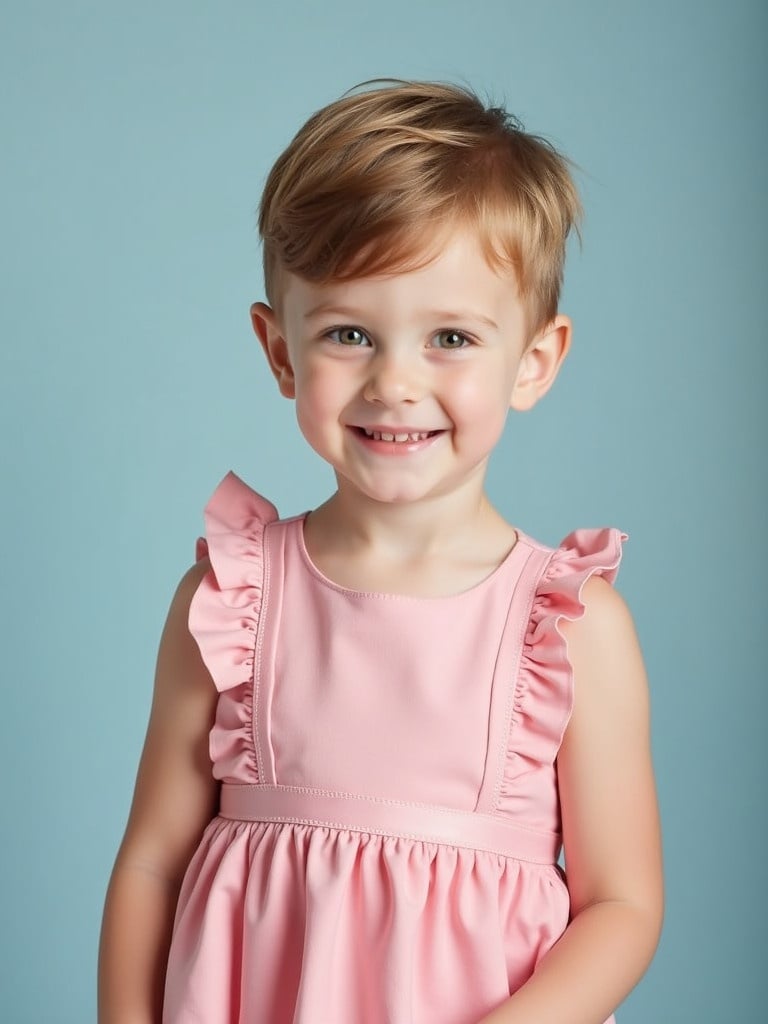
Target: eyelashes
[354, 337]
[348, 342]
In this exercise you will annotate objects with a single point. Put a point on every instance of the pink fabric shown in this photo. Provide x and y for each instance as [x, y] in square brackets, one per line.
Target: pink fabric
[386, 847]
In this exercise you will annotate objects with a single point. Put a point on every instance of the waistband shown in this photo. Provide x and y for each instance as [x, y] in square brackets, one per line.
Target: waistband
[420, 822]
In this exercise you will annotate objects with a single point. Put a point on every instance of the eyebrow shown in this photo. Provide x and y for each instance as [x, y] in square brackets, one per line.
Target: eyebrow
[465, 315]
[442, 314]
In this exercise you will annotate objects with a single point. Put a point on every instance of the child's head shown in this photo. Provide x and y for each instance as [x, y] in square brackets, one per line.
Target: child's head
[373, 181]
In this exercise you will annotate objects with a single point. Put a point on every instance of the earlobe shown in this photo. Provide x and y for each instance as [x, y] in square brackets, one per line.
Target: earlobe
[540, 364]
[270, 334]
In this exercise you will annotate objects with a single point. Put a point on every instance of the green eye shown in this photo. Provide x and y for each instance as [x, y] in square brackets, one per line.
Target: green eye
[452, 340]
[349, 336]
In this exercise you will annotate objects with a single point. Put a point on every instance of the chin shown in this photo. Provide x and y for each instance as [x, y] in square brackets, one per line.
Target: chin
[384, 494]
[386, 497]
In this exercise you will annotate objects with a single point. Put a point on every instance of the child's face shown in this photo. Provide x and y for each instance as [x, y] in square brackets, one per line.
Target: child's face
[403, 382]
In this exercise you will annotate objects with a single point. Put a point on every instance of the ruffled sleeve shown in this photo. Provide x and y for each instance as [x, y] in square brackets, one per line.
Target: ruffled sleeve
[224, 617]
[224, 612]
[543, 694]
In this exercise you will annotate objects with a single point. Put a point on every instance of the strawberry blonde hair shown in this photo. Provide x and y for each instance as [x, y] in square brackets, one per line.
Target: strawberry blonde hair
[370, 177]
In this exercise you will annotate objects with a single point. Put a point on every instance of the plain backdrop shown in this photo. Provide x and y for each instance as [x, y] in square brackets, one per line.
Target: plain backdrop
[136, 138]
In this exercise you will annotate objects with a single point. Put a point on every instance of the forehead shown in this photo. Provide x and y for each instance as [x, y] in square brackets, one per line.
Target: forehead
[451, 268]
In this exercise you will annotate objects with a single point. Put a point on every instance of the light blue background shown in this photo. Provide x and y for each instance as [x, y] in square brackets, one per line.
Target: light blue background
[135, 142]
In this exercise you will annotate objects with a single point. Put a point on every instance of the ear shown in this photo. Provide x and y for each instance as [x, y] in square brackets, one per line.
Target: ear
[270, 334]
[540, 363]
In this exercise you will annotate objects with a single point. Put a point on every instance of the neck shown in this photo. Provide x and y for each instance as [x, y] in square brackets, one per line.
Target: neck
[406, 532]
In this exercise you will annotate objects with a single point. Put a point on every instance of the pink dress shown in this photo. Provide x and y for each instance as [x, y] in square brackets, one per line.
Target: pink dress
[386, 847]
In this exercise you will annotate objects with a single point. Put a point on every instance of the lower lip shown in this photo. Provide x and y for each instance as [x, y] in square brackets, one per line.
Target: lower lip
[394, 447]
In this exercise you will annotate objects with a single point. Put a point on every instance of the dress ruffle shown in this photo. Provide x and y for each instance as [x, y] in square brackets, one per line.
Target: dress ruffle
[224, 618]
[543, 696]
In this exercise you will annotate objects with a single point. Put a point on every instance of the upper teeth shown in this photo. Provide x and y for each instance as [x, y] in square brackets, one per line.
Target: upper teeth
[380, 435]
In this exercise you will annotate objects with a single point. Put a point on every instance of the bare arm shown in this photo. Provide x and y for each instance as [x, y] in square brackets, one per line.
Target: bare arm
[174, 799]
[611, 830]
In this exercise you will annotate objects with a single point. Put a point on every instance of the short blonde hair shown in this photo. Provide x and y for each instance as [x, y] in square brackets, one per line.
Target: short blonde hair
[371, 176]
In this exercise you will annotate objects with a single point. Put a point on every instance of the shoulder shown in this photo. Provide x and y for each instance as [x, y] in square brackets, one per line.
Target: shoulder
[185, 591]
[177, 645]
[610, 687]
[191, 580]
[605, 616]
[605, 631]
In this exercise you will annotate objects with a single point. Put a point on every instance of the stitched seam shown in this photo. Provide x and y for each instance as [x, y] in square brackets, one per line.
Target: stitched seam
[313, 569]
[522, 630]
[256, 709]
[386, 833]
[501, 752]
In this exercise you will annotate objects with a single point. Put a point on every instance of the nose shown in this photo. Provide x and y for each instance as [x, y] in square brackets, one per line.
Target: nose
[393, 378]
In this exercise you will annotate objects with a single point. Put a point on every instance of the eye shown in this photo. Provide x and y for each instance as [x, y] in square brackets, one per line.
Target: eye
[351, 337]
[450, 340]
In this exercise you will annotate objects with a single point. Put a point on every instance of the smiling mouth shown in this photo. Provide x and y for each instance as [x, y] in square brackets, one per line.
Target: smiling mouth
[397, 438]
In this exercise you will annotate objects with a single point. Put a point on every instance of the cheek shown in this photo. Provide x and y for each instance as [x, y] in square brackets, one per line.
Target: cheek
[480, 405]
[481, 395]
[315, 410]
[321, 390]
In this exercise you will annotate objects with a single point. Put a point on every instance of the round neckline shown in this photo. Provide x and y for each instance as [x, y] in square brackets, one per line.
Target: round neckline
[510, 557]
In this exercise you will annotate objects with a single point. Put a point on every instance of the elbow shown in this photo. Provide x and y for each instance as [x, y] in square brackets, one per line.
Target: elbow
[647, 925]
[635, 925]
[655, 926]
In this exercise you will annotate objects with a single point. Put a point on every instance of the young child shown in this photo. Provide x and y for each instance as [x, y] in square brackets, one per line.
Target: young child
[408, 702]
